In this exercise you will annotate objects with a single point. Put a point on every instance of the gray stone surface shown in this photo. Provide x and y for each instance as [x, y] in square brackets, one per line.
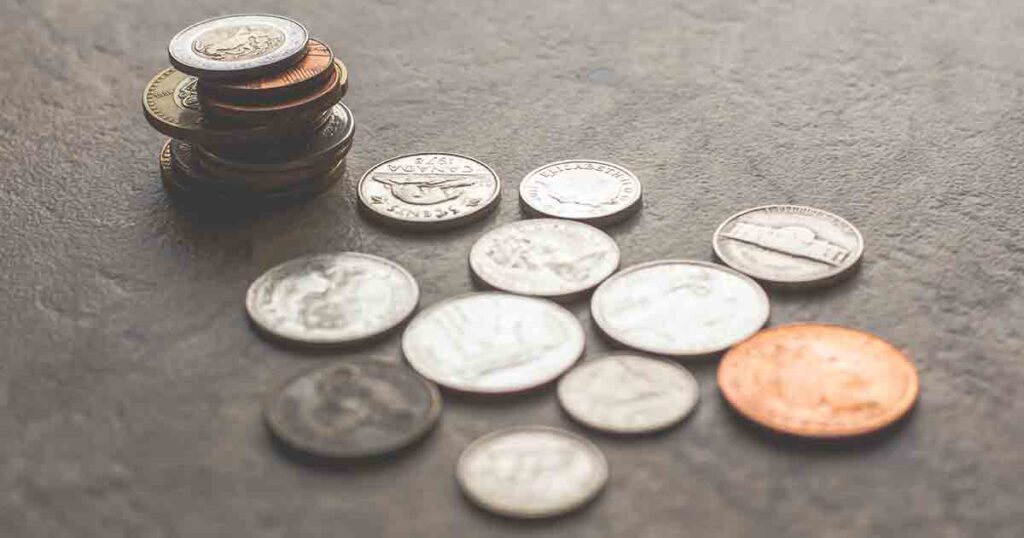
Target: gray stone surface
[132, 384]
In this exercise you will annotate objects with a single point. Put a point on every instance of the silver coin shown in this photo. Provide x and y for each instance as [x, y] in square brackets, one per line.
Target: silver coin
[332, 298]
[493, 342]
[238, 46]
[679, 307]
[354, 408]
[623, 393]
[589, 191]
[531, 472]
[550, 258]
[429, 190]
[789, 245]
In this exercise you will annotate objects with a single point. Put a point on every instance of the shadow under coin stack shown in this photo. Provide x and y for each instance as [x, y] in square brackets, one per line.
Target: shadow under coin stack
[253, 108]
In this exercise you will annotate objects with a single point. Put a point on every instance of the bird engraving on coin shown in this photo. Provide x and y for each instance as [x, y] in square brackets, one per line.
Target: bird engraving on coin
[589, 191]
[238, 46]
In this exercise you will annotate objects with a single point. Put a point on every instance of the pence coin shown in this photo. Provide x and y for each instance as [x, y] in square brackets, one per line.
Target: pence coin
[238, 46]
[596, 192]
[544, 257]
[679, 307]
[332, 298]
[493, 342]
[353, 408]
[429, 190]
[319, 99]
[622, 393]
[819, 381]
[789, 244]
[531, 472]
[312, 70]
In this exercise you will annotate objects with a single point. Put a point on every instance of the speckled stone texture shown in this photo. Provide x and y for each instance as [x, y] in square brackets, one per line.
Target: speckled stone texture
[132, 383]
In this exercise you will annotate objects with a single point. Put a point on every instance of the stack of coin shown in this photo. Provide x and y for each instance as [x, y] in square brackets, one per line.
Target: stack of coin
[253, 107]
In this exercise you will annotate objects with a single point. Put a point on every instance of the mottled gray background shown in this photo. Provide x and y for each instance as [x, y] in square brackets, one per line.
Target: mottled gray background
[132, 383]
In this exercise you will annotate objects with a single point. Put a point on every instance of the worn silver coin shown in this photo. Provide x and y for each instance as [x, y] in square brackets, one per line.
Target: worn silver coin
[679, 307]
[238, 46]
[493, 342]
[595, 192]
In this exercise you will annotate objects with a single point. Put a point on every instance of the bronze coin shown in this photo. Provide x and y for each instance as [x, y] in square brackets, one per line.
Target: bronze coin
[313, 68]
[320, 98]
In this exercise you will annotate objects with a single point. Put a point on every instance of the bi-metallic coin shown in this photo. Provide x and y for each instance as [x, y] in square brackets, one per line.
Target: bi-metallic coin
[238, 46]
[311, 71]
[595, 192]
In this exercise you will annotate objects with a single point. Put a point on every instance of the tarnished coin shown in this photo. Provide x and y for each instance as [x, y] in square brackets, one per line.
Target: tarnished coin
[622, 393]
[312, 70]
[819, 381]
[493, 342]
[550, 258]
[353, 408]
[531, 472]
[316, 100]
[429, 190]
[332, 298]
[679, 307]
[789, 244]
[238, 46]
[595, 192]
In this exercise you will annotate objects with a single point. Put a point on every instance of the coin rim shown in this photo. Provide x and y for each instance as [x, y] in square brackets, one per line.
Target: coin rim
[331, 91]
[211, 72]
[597, 220]
[237, 89]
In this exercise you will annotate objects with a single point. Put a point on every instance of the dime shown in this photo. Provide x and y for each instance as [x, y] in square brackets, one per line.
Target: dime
[312, 70]
[531, 472]
[429, 190]
[789, 244]
[353, 408]
[622, 393]
[819, 381]
[679, 307]
[596, 192]
[238, 46]
[332, 298]
[319, 99]
[493, 342]
[544, 257]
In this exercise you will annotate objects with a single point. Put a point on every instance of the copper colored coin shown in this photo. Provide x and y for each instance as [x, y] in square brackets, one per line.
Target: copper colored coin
[318, 98]
[820, 381]
[314, 67]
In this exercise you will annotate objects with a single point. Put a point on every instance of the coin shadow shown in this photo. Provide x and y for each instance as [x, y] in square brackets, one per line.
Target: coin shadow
[355, 465]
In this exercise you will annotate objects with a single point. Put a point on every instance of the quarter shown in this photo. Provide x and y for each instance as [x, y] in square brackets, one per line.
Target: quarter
[595, 192]
[238, 46]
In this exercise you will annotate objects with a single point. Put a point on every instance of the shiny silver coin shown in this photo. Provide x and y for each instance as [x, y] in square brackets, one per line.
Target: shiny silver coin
[353, 408]
[623, 393]
[429, 190]
[789, 245]
[679, 307]
[332, 298]
[493, 342]
[595, 192]
[552, 258]
[531, 472]
[238, 46]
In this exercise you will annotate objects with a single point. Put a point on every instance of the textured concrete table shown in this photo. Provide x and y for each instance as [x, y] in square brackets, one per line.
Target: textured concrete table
[132, 383]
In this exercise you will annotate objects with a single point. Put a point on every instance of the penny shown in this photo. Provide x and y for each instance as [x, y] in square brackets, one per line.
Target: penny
[238, 46]
[332, 298]
[353, 408]
[623, 393]
[312, 70]
[551, 258]
[531, 472]
[595, 192]
[493, 342]
[319, 99]
[789, 245]
[429, 190]
[820, 381]
[679, 307]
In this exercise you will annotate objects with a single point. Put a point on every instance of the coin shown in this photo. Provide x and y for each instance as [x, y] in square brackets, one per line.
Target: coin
[623, 393]
[551, 258]
[332, 298]
[429, 190]
[596, 192]
[238, 46]
[353, 408]
[789, 244]
[679, 307]
[312, 70]
[531, 472]
[820, 381]
[493, 342]
[320, 98]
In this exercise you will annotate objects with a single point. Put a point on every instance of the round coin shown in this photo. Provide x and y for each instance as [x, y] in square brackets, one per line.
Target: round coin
[595, 192]
[493, 342]
[312, 69]
[319, 99]
[819, 381]
[531, 472]
[679, 307]
[622, 393]
[238, 46]
[353, 408]
[332, 298]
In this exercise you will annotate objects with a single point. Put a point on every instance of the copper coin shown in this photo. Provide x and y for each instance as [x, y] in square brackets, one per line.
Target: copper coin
[320, 98]
[820, 381]
[312, 68]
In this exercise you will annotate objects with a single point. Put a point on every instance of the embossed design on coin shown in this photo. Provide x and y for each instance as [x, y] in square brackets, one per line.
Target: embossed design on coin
[236, 43]
[185, 94]
[589, 191]
[332, 298]
[679, 307]
[493, 342]
[238, 46]
[531, 472]
[622, 393]
[317, 63]
[819, 381]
